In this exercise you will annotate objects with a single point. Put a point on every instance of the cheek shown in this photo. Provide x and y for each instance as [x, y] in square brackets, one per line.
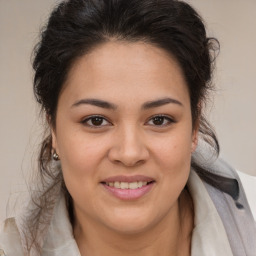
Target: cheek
[173, 160]
[81, 157]
[174, 151]
[80, 160]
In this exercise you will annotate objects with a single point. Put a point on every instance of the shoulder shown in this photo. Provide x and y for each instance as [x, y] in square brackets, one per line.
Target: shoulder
[249, 185]
[10, 239]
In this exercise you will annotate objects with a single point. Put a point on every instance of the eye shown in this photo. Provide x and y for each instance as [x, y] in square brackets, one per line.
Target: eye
[96, 121]
[160, 120]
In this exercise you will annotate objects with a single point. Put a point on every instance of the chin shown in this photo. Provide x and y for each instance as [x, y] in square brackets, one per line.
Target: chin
[130, 222]
[128, 228]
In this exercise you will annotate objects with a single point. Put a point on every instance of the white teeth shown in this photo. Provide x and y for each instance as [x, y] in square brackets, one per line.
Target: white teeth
[133, 185]
[124, 185]
[116, 184]
[127, 185]
[140, 184]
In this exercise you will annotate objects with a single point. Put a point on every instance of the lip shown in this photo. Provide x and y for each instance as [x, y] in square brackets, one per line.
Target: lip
[129, 194]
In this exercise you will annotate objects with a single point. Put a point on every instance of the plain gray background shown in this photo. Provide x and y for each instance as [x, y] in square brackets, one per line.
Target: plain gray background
[232, 110]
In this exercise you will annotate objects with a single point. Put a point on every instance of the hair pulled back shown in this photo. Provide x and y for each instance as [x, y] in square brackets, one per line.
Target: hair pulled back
[76, 27]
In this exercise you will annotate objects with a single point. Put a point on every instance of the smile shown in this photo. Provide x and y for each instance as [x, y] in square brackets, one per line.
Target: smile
[127, 185]
[128, 188]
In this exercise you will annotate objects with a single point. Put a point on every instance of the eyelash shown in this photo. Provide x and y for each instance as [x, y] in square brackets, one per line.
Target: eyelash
[90, 118]
[166, 118]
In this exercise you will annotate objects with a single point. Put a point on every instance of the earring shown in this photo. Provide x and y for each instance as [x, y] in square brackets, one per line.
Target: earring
[55, 156]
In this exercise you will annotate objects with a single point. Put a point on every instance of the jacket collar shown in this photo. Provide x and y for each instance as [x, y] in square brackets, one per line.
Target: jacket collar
[60, 239]
[55, 237]
[219, 174]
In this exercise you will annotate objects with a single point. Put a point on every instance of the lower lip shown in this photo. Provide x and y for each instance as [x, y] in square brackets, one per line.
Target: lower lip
[129, 194]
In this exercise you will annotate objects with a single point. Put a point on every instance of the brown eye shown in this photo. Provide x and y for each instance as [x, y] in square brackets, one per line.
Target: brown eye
[160, 120]
[95, 122]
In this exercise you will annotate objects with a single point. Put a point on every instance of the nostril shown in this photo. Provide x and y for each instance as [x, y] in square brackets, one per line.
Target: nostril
[128, 154]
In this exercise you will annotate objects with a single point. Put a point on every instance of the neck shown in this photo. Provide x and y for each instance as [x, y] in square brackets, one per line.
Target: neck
[170, 237]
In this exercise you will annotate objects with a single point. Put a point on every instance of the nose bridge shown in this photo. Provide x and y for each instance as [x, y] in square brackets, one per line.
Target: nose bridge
[129, 147]
[131, 141]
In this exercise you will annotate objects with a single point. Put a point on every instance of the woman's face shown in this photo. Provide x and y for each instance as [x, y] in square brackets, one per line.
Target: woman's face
[124, 136]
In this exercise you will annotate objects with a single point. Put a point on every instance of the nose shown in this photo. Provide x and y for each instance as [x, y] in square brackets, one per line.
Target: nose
[129, 147]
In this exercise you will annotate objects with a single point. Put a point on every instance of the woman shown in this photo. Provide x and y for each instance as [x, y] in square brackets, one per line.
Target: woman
[122, 85]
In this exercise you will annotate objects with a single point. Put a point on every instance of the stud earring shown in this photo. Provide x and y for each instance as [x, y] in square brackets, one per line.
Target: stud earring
[55, 156]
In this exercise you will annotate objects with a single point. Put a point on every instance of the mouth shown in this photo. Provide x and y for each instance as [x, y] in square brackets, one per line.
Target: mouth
[127, 185]
[128, 188]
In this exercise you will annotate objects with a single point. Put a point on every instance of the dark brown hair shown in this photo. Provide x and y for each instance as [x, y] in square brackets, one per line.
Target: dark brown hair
[76, 27]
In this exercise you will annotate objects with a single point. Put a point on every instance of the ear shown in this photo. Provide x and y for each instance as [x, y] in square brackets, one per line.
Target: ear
[194, 140]
[54, 141]
[195, 134]
[53, 135]
[196, 126]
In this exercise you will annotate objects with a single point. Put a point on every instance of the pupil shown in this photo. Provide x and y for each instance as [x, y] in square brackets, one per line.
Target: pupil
[97, 121]
[158, 120]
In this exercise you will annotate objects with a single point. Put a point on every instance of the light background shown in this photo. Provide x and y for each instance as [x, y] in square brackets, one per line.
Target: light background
[233, 112]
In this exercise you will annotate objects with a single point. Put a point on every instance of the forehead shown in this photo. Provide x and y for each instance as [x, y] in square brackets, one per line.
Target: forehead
[137, 70]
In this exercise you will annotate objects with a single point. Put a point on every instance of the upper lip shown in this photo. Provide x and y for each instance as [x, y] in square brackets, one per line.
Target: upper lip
[129, 179]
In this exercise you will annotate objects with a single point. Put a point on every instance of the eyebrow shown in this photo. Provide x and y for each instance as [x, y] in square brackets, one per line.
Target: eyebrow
[108, 105]
[160, 102]
[95, 102]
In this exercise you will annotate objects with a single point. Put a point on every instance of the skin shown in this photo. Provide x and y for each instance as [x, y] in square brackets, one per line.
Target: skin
[127, 142]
